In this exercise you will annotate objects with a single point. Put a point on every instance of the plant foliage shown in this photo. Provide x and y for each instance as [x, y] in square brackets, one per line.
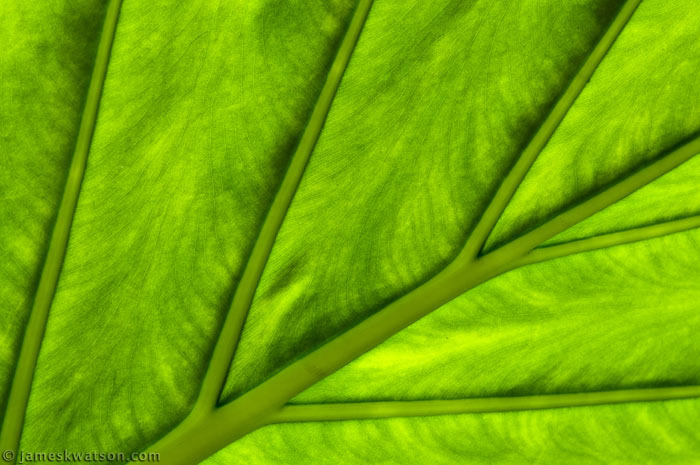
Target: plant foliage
[351, 231]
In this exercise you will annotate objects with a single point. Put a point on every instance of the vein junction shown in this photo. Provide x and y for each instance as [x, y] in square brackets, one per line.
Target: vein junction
[211, 427]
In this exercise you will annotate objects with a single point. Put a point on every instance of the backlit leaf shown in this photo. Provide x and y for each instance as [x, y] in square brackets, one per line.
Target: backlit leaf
[351, 231]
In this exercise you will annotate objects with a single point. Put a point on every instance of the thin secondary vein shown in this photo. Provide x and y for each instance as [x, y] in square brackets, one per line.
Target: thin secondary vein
[422, 408]
[34, 332]
[610, 240]
[230, 332]
[511, 253]
[510, 183]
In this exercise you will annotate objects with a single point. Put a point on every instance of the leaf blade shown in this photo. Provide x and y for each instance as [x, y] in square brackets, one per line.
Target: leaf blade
[225, 346]
[28, 353]
[194, 127]
[657, 432]
[615, 318]
[367, 228]
[636, 106]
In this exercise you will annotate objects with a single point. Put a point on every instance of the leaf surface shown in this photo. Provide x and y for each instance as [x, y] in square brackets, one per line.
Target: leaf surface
[434, 94]
[531, 330]
[659, 432]
[203, 236]
[39, 119]
[640, 102]
[200, 107]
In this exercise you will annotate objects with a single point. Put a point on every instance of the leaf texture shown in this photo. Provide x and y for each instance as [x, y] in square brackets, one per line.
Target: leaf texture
[656, 432]
[39, 123]
[277, 191]
[188, 149]
[640, 102]
[394, 124]
[564, 325]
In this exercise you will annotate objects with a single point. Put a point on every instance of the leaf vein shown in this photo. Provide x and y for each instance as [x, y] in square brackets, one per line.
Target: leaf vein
[561, 108]
[230, 332]
[419, 408]
[58, 243]
[610, 240]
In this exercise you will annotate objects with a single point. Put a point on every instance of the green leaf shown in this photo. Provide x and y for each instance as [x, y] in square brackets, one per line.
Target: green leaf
[38, 128]
[351, 231]
[658, 432]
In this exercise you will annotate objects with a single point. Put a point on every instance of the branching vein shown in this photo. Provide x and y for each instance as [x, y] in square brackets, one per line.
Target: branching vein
[621, 189]
[213, 427]
[511, 182]
[230, 332]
